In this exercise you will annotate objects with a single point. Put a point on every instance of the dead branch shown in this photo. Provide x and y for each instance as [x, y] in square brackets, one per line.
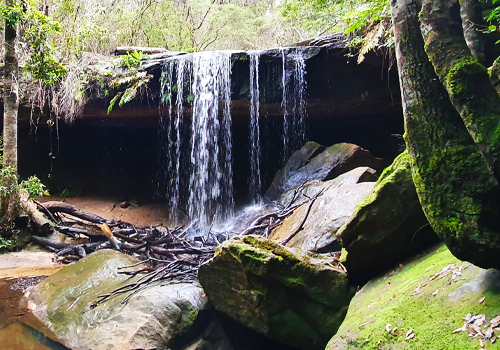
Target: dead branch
[61, 207]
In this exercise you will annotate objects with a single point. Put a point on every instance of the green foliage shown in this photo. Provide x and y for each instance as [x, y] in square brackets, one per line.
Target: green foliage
[317, 17]
[132, 59]
[11, 14]
[113, 101]
[41, 63]
[33, 184]
[34, 187]
[132, 86]
[8, 172]
[365, 15]
[6, 243]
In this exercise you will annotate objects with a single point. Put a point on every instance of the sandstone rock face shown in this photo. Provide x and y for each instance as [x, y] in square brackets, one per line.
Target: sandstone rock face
[313, 225]
[387, 226]
[314, 162]
[150, 319]
[293, 297]
[429, 297]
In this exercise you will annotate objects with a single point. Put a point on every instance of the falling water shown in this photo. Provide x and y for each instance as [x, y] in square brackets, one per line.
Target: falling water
[202, 79]
[210, 184]
[293, 103]
[255, 184]
[174, 199]
[199, 176]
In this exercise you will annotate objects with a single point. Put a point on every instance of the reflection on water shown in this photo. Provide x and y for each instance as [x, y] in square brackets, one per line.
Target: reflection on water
[19, 329]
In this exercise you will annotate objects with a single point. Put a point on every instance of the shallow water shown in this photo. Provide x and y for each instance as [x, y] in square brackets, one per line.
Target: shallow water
[19, 329]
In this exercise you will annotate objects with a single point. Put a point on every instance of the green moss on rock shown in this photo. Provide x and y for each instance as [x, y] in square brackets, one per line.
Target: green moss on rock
[433, 310]
[290, 296]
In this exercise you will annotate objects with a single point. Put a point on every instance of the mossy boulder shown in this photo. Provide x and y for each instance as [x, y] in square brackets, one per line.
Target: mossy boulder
[430, 295]
[314, 162]
[151, 319]
[288, 295]
[387, 226]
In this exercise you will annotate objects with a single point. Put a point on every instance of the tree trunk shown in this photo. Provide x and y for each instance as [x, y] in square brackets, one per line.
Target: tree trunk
[470, 11]
[10, 202]
[455, 187]
[466, 80]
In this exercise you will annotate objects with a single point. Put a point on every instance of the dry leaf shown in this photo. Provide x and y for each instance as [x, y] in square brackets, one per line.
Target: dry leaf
[417, 290]
[436, 292]
[395, 330]
[430, 267]
[411, 336]
[480, 320]
[409, 332]
[481, 343]
[493, 340]
[458, 330]
[482, 300]
[468, 317]
[388, 328]
[489, 333]
[495, 322]
[473, 329]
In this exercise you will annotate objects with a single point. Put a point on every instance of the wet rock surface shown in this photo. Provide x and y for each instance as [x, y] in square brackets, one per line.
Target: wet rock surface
[293, 297]
[150, 319]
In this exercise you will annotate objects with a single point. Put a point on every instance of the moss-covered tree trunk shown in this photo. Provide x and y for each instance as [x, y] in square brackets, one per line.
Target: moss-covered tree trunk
[458, 193]
[465, 79]
[10, 202]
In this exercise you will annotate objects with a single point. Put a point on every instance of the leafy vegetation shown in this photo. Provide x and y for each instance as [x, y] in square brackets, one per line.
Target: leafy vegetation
[35, 47]
[132, 59]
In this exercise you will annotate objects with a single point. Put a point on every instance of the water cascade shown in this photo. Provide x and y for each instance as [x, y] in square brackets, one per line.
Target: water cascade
[293, 103]
[211, 178]
[204, 80]
[198, 175]
[255, 182]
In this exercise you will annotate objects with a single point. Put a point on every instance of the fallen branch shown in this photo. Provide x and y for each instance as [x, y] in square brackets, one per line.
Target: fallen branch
[61, 207]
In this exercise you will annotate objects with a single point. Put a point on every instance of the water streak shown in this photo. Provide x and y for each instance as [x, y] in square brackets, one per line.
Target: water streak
[210, 185]
[293, 103]
[255, 181]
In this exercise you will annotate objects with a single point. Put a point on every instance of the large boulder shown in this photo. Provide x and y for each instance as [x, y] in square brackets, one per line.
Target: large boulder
[422, 305]
[151, 319]
[313, 225]
[291, 296]
[314, 162]
[387, 226]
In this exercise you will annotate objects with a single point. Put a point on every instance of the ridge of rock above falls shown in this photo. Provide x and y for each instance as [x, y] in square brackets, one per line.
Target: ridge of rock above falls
[288, 295]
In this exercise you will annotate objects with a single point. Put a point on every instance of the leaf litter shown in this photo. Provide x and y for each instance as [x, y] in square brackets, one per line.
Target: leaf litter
[477, 326]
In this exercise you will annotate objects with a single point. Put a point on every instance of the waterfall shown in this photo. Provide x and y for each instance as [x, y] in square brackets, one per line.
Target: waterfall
[204, 81]
[255, 183]
[293, 103]
[210, 185]
[198, 176]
